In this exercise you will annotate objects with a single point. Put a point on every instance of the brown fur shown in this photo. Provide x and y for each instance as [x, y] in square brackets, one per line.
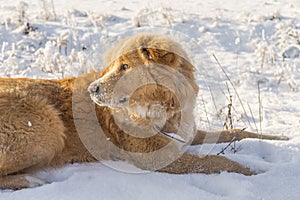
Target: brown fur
[42, 121]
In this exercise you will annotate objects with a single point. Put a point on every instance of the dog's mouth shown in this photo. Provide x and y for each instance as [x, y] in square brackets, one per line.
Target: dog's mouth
[103, 100]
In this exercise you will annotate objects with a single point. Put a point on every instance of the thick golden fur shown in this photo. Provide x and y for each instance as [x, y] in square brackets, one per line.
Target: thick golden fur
[38, 118]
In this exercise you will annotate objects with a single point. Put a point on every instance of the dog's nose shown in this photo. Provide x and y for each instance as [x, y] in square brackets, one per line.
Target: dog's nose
[94, 88]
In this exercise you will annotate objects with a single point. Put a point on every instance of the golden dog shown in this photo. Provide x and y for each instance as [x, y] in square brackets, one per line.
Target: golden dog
[144, 104]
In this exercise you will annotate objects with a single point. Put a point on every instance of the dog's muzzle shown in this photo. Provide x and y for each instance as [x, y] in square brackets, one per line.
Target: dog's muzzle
[103, 97]
[96, 93]
[94, 88]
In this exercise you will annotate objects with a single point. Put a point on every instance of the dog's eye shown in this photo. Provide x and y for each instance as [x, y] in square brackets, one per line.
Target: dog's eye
[124, 67]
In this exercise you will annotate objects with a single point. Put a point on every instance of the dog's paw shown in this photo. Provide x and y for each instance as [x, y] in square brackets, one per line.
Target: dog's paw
[34, 181]
[20, 181]
[282, 137]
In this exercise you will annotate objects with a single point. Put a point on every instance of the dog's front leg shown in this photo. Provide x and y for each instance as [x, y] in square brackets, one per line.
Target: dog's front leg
[207, 164]
[220, 136]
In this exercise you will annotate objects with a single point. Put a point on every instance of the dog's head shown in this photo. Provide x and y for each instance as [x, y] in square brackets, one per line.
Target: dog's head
[150, 77]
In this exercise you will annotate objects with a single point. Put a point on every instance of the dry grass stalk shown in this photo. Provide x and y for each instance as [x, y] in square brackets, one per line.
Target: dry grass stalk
[204, 107]
[253, 118]
[260, 107]
[231, 83]
[229, 115]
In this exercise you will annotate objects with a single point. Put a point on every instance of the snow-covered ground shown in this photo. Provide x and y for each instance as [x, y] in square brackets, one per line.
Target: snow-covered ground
[257, 44]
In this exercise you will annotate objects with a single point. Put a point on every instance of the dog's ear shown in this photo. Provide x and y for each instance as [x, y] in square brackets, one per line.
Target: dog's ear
[158, 55]
[173, 60]
[145, 52]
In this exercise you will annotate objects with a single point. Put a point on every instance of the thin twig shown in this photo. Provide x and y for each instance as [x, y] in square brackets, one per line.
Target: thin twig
[205, 109]
[232, 141]
[232, 86]
[214, 101]
[260, 107]
[253, 118]
[168, 135]
[233, 107]
[263, 58]
[53, 9]
[228, 145]
[229, 108]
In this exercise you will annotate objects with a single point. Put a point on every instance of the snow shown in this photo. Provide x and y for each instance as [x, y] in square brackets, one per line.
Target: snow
[256, 43]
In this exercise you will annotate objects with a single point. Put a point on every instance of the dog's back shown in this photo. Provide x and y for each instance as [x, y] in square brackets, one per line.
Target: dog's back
[34, 115]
